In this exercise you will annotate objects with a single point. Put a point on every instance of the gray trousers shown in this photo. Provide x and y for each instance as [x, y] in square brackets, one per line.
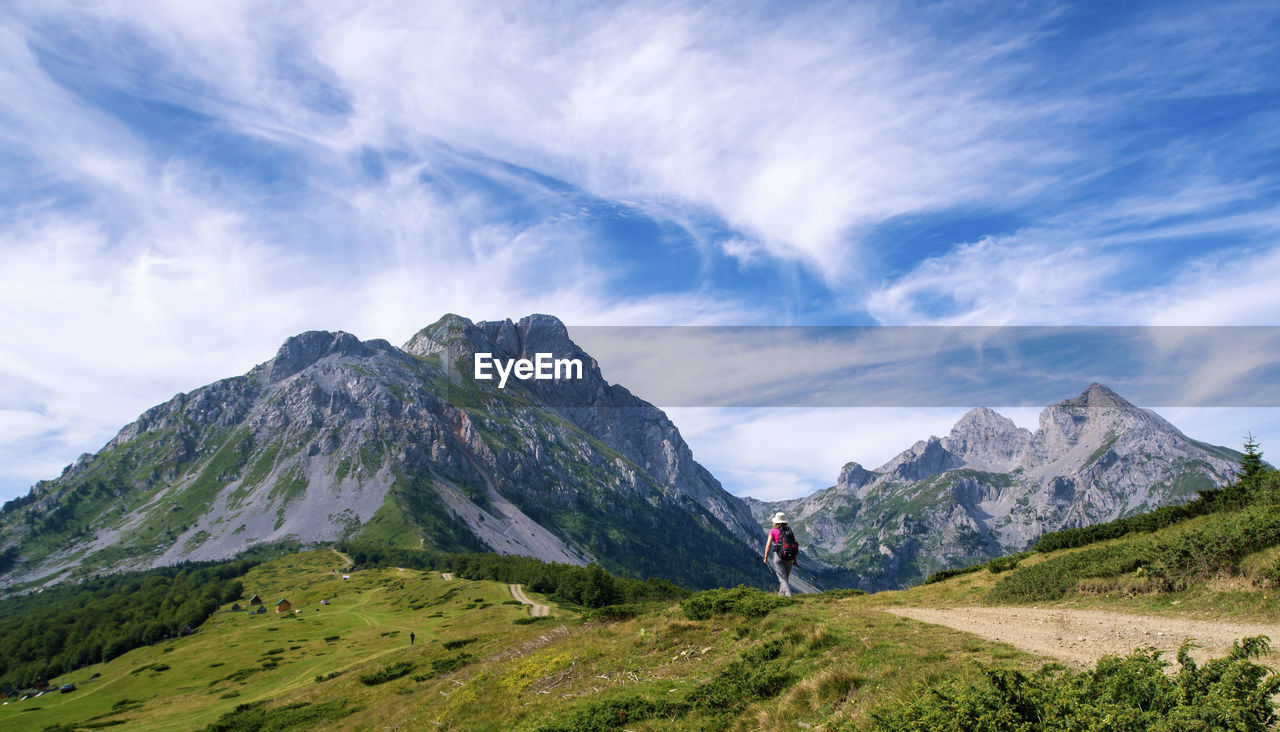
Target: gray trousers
[782, 568]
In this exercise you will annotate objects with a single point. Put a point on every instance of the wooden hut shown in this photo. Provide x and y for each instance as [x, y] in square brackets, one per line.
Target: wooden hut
[255, 600]
[284, 606]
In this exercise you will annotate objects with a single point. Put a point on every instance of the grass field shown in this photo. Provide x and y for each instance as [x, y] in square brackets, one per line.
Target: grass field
[236, 658]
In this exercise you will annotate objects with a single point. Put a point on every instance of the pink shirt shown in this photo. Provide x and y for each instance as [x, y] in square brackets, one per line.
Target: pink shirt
[776, 534]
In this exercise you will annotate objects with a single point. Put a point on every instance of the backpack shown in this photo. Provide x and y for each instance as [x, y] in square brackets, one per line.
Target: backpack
[787, 547]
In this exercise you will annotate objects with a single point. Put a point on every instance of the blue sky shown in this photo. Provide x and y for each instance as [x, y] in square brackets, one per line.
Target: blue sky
[188, 183]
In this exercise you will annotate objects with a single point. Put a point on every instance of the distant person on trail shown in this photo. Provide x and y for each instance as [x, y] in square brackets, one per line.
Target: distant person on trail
[782, 544]
[411, 637]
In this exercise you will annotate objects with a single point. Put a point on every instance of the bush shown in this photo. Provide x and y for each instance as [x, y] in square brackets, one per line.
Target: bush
[454, 645]
[1004, 564]
[452, 663]
[386, 673]
[615, 714]
[297, 716]
[738, 684]
[1172, 562]
[947, 574]
[610, 613]
[1122, 693]
[745, 601]
[744, 681]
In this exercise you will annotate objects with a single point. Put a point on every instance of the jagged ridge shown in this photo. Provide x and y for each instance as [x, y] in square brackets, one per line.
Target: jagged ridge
[991, 488]
[337, 438]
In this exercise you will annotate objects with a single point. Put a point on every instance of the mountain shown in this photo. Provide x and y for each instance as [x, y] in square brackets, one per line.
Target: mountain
[336, 438]
[990, 488]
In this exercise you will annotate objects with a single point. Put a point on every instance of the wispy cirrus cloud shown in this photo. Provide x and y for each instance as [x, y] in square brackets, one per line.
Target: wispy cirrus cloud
[197, 181]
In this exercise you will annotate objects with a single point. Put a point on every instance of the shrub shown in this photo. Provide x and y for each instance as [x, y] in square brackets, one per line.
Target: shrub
[386, 673]
[1129, 692]
[453, 645]
[1004, 564]
[296, 716]
[626, 611]
[840, 594]
[947, 574]
[331, 675]
[615, 714]
[1171, 561]
[744, 681]
[745, 601]
[452, 663]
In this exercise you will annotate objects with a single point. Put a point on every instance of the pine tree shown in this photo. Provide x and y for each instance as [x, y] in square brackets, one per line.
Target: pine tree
[1251, 465]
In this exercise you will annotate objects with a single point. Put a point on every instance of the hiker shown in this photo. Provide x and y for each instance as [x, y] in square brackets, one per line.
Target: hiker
[781, 538]
[411, 637]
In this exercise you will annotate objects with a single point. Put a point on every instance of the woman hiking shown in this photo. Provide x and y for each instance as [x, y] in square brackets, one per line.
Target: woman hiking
[783, 541]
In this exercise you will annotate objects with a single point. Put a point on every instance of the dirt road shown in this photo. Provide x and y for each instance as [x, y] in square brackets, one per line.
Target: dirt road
[537, 611]
[1079, 638]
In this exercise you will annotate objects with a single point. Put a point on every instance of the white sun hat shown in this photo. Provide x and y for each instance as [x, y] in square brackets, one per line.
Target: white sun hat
[779, 518]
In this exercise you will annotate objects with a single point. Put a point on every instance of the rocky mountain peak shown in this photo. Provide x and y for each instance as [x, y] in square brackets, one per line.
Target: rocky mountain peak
[1098, 396]
[304, 349]
[925, 458]
[853, 476]
[450, 336]
[1092, 418]
[988, 440]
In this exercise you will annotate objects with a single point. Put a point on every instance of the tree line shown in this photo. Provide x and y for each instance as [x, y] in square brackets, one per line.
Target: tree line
[69, 626]
[591, 586]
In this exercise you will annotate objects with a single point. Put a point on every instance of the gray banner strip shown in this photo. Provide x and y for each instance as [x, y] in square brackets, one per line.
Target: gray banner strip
[936, 366]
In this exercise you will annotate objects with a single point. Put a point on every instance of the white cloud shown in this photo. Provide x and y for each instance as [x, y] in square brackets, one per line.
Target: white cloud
[1105, 266]
[797, 129]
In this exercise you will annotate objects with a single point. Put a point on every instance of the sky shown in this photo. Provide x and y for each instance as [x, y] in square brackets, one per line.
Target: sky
[186, 184]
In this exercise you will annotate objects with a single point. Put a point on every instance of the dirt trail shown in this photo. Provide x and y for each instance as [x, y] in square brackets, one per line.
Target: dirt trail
[1079, 638]
[537, 611]
[446, 576]
[344, 558]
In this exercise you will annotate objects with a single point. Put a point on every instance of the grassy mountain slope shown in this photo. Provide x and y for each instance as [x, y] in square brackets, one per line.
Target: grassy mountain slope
[832, 661]
[832, 655]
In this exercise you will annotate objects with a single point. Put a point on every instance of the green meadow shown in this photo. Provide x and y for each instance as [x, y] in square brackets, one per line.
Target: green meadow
[236, 658]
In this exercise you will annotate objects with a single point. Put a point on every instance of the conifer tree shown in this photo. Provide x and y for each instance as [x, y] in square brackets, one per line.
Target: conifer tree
[1251, 465]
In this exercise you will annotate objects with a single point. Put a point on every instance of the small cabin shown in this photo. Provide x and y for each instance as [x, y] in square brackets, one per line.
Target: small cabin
[185, 631]
[262, 610]
[236, 608]
[283, 606]
[255, 600]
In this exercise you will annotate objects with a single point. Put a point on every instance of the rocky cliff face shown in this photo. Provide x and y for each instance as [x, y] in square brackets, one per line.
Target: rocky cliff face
[337, 438]
[990, 488]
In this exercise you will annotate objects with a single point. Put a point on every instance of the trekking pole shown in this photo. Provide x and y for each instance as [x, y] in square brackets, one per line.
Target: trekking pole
[811, 578]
